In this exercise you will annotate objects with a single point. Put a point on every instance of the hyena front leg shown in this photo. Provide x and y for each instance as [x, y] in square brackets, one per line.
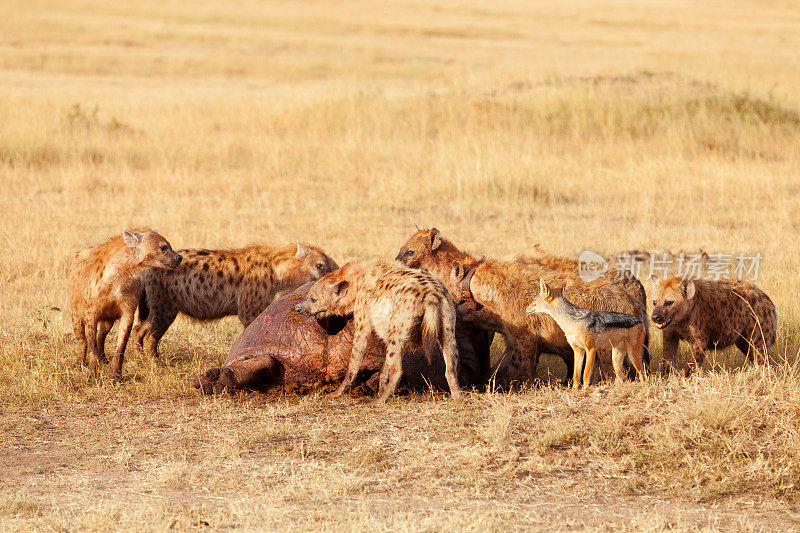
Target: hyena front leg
[670, 343]
[360, 341]
[698, 355]
[125, 325]
[392, 369]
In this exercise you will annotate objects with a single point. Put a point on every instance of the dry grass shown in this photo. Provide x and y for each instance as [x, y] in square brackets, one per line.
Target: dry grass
[610, 126]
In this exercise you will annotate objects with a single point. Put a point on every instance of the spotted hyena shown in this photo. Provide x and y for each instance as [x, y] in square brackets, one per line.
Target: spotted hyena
[211, 284]
[406, 308]
[489, 293]
[712, 315]
[105, 282]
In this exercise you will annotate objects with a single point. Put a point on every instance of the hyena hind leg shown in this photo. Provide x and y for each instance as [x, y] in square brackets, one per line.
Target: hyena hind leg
[103, 327]
[392, 370]
[80, 334]
[618, 354]
[447, 338]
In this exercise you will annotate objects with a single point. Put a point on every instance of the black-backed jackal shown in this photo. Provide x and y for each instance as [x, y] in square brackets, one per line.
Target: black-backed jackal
[587, 330]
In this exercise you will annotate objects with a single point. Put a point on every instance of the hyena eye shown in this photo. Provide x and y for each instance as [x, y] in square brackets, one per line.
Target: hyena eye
[668, 303]
[312, 300]
[410, 253]
[320, 266]
[164, 248]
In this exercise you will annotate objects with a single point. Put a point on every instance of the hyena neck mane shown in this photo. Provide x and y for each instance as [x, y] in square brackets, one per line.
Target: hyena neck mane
[286, 268]
[124, 264]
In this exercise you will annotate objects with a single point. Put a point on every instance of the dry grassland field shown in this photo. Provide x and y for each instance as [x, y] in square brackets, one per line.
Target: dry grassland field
[579, 125]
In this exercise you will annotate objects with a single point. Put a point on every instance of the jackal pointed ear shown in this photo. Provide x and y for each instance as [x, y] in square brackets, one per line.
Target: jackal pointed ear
[436, 239]
[341, 288]
[132, 237]
[542, 287]
[417, 228]
[690, 289]
[302, 250]
[458, 270]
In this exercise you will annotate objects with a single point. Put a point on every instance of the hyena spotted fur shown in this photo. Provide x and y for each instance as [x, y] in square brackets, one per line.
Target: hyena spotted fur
[497, 286]
[406, 308]
[212, 284]
[105, 283]
[711, 315]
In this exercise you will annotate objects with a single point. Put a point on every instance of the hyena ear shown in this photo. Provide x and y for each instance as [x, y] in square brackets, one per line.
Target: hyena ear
[417, 228]
[458, 270]
[155, 230]
[341, 288]
[436, 239]
[132, 237]
[690, 289]
[654, 279]
[302, 250]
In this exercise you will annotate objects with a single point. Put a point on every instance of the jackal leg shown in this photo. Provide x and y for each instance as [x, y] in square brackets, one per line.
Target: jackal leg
[589, 369]
[635, 351]
[579, 355]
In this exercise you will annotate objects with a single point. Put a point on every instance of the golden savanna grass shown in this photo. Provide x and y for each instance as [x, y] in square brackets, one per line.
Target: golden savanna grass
[608, 126]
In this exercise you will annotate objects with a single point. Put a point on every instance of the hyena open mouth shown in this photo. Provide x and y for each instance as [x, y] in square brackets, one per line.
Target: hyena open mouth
[661, 325]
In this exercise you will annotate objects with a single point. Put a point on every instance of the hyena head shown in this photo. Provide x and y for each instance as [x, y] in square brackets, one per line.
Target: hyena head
[330, 296]
[420, 250]
[544, 301]
[152, 249]
[313, 263]
[672, 299]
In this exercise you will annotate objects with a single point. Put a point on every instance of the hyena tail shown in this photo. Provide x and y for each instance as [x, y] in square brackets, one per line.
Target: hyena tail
[431, 326]
[144, 310]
